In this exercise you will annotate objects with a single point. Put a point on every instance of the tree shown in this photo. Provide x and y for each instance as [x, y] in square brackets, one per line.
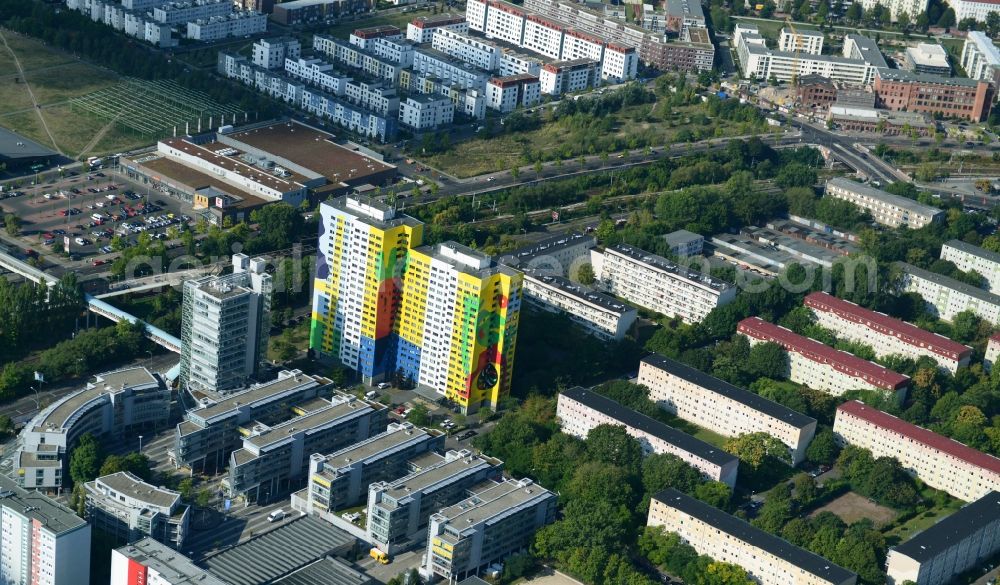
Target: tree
[586, 274]
[823, 449]
[204, 498]
[12, 223]
[805, 489]
[6, 425]
[947, 19]
[754, 448]
[84, 459]
[713, 493]
[717, 573]
[853, 12]
[135, 463]
[419, 415]
[612, 445]
[768, 360]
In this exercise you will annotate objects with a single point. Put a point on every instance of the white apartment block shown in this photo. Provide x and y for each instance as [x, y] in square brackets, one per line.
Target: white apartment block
[857, 65]
[475, 51]
[450, 70]
[580, 410]
[127, 508]
[399, 51]
[721, 407]
[562, 255]
[115, 404]
[980, 57]
[505, 94]
[382, 127]
[355, 57]
[514, 63]
[504, 21]
[377, 97]
[658, 284]
[149, 562]
[236, 24]
[42, 542]
[175, 13]
[885, 208]
[822, 367]
[275, 53]
[684, 243]
[885, 335]
[542, 37]
[804, 41]
[938, 461]
[728, 539]
[947, 297]
[423, 29]
[960, 542]
[992, 352]
[976, 10]
[911, 8]
[968, 257]
[318, 73]
[568, 76]
[363, 37]
[426, 112]
[598, 314]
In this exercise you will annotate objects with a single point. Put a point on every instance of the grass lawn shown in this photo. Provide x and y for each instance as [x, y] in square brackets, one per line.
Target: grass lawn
[710, 437]
[34, 54]
[297, 335]
[400, 19]
[58, 84]
[642, 124]
[852, 507]
[922, 521]
[13, 95]
[7, 66]
[26, 123]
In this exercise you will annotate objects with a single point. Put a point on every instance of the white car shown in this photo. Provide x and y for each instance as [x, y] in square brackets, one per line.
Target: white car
[81, 242]
[384, 386]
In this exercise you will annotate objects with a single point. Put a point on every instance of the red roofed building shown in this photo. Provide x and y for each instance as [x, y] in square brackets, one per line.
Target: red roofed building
[938, 461]
[885, 335]
[821, 367]
[421, 29]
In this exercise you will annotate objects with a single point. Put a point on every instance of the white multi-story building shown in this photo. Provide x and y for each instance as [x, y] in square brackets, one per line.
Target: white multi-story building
[580, 410]
[116, 404]
[992, 352]
[475, 51]
[962, 541]
[728, 539]
[822, 367]
[598, 314]
[721, 407]
[912, 8]
[516, 63]
[318, 73]
[885, 335]
[658, 284]
[363, 37]
[568, 76]
[422, 29]
[181, 12]
[977, 10]
[399, 51]
[505, 94]
[485, 528]
[148, 562]
[809, 42]
[398, 510]
[938, 461]
[426, 112]
[684, 243]
[376, 97]
[947, 297]
[968, 257]
[224, 327]
[274, 53]
[355, 57]
[857, 65]
[449, 69]
[562, 255]
[236, 24]
[42, 542]
[127, 508]
[927, 59]
[885, 208]
[980, 57]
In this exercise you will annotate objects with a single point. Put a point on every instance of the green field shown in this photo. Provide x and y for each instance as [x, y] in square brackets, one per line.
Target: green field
[344, 29]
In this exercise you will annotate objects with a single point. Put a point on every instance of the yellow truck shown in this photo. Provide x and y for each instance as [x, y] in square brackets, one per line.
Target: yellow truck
[379, 556]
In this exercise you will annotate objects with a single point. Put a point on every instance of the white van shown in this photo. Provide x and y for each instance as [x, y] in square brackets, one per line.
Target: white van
[370, 395]
[276, 515]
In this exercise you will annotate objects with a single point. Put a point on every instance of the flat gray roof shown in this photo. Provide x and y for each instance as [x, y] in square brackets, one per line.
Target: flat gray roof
[869, 48]
[990, 52]
[35, 505]
[896, 200]
[551, 244]
[168, 562]
[665, 265]
[580, 292]
[680, 237]
[311, 420]
[279, 552]
[902, 75]
[115, 381]
[398, 219]
[130, 485]
[426, 478]
[326, 571]
[380, 445]
[689, 8]
[951, 283]
[976, 251]
[492, 501]
[261, 393]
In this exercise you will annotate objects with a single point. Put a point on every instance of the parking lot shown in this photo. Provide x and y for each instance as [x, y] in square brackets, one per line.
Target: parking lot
[88, 209]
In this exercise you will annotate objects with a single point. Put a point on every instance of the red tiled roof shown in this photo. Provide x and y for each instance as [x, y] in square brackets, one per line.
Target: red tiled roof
[995, 336]
[921, 435]
[886, 325]
[811, 349]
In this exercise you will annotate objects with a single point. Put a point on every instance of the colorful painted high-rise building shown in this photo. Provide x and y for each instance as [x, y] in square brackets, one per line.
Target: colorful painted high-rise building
[444, 316]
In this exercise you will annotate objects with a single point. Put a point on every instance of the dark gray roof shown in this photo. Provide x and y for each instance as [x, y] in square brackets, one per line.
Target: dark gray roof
[948, 282]
[903, 75]
[279, 552]
[548, 246]
[758, 403]
[16, 146]
[474, 581]
[636, 420]
[983, 253]
[326, 571]
[52, 515]
[741, 530]
[953, 529]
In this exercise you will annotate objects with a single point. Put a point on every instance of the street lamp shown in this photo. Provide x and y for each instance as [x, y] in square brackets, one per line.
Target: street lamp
[140, 443]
